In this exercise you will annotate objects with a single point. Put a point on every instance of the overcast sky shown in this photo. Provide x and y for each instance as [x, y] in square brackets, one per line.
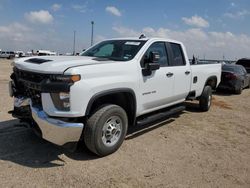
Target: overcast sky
[209, 29]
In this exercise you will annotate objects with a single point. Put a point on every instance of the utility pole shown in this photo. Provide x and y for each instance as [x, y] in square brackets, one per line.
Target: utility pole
[92, 32]
[74, 43]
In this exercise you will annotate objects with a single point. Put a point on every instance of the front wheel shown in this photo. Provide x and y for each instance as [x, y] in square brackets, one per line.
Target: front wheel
[106, 129]
[206, 99]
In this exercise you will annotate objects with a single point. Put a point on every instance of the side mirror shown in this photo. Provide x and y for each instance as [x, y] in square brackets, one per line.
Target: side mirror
[154, 57]
[153, 66]
[151, 63]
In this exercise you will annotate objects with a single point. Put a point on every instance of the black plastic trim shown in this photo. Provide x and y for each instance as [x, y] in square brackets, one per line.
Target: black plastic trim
[47, 86]
[109, 92]
[58, 103]
[212, 78]
[54, 87]
[158, 115]
[191, 95]
[37, 60]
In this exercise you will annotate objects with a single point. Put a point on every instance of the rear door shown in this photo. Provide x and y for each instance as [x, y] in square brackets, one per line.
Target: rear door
[181, 70]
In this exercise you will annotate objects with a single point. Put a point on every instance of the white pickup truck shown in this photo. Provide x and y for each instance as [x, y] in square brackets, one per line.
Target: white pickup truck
[114, 84]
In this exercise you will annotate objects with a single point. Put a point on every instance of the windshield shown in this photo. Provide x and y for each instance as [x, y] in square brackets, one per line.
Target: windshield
[117, 50]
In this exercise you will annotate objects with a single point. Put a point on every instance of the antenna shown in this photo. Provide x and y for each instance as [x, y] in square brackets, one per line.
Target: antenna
[142, 36]
[74, 43]
[92, 32]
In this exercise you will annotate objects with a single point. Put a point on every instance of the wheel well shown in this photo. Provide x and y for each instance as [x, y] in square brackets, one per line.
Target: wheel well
[212, 81]
[124, 99]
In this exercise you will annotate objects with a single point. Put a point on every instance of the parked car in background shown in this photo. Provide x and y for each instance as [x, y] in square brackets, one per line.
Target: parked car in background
[19, 54]
[234, 78]
[28, 54]
[7, 54]
[245, 63]
[46, 53]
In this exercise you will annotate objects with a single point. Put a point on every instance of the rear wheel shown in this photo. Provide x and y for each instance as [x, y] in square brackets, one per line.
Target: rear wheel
[248, 84]
[238, 90]
[205, 99]
[106, 129]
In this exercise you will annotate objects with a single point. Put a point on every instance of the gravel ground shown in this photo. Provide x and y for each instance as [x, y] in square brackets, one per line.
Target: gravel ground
[191, 149]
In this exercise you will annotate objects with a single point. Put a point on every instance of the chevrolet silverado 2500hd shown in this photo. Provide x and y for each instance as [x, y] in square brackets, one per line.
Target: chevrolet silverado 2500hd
[115, 83]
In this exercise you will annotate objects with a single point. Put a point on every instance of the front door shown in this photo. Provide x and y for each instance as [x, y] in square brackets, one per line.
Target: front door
[157, 89]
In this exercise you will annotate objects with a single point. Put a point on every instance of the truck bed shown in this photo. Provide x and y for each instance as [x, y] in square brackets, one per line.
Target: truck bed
[203, 72]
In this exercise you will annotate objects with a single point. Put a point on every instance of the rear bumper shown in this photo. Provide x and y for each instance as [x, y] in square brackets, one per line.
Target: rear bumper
[56, 131]
[230, 85]
[226, 87]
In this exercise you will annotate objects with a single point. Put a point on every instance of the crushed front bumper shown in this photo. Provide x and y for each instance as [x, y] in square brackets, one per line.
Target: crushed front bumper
[52, 129]
[56, 131]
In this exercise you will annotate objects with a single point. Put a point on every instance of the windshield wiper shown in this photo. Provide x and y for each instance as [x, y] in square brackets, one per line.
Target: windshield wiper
[106, 59]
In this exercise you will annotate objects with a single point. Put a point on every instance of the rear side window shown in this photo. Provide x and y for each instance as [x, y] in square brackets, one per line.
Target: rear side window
[177, 55]
[243, 70]
[238, 70]
[233, 68]
[227, 68]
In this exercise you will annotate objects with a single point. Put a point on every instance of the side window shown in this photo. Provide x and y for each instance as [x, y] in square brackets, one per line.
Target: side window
[243, 70]
[161, 49]
[177, 54]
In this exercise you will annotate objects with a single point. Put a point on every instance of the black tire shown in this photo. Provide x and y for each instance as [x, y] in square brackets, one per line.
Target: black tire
[94, 134]
[248, 84]
[205, 100]
[238, 90]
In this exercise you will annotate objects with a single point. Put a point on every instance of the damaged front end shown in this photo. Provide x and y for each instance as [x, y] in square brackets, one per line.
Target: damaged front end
[23, 96]
[27, 89]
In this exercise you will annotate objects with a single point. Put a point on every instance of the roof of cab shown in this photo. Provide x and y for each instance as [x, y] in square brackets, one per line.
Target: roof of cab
[146, 39]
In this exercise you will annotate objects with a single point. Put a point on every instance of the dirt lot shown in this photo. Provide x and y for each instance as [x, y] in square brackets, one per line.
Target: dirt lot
[192, 150]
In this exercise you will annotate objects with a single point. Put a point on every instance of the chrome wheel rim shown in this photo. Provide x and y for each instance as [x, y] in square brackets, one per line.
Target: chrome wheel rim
[209, 100]
[111, 131]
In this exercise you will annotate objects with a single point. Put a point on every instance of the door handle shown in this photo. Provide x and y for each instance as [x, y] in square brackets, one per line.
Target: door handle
[169, 74]
[187, 72]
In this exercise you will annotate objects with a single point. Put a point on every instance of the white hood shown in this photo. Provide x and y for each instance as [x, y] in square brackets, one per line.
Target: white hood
[54, 64]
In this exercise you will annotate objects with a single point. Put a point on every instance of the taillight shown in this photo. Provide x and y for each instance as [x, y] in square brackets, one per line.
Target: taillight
[230, 76]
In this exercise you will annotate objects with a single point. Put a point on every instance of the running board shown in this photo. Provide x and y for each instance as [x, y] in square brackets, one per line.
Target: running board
[160, 115]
